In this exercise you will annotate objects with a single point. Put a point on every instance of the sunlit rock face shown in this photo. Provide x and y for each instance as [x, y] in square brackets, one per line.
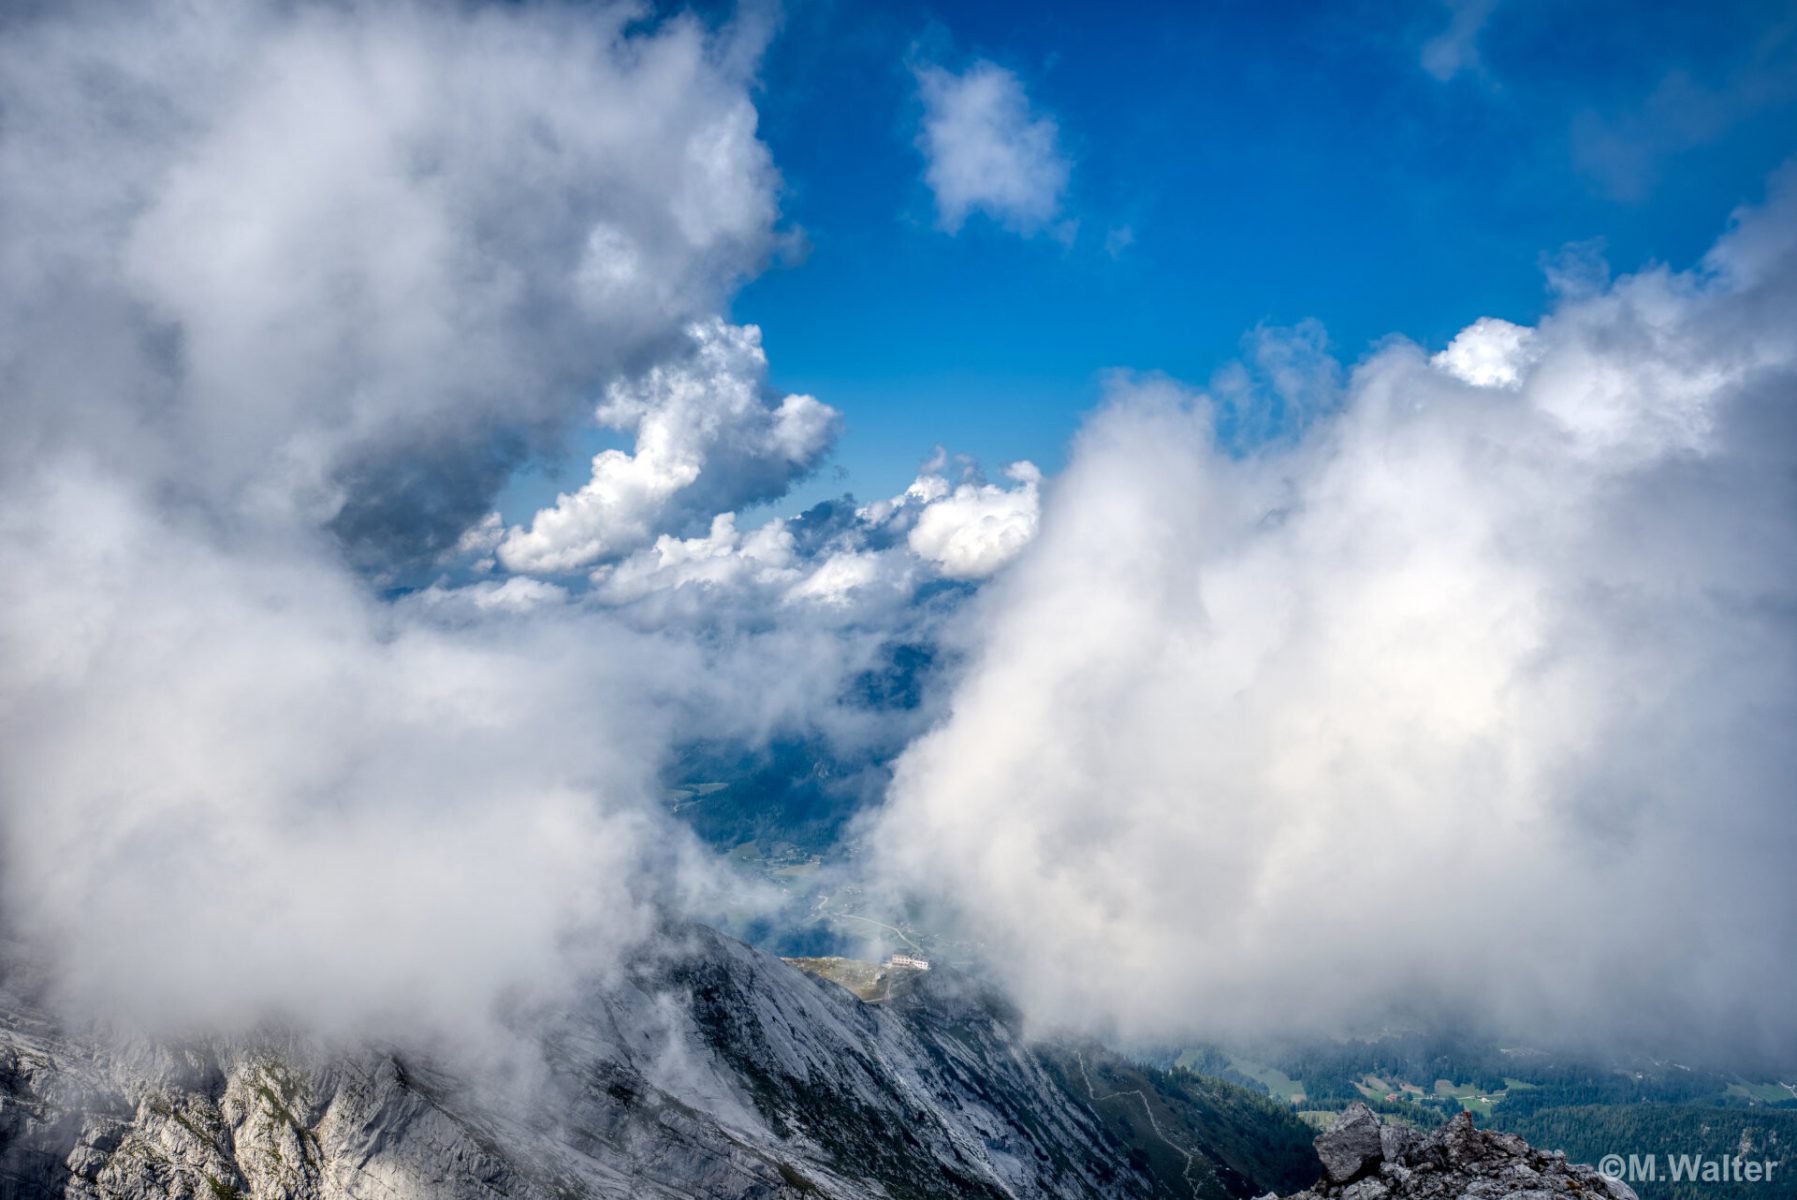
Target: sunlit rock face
[711, 1071]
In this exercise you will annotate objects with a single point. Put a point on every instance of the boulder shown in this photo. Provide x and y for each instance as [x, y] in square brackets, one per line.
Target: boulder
[1352, 1146]
[1395, 1141]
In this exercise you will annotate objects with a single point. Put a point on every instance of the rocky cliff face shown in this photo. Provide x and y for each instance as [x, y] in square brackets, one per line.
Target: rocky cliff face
[714, 1071]
[1364, 1159]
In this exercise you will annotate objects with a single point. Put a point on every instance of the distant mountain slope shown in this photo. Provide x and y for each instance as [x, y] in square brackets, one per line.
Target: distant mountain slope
[1216, 1137]
[714, 1071]
[1678, 1142]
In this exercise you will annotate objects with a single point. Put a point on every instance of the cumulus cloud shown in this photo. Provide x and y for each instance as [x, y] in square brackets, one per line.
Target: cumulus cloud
[357, 261]
[1490, 352]
[860, 563]
[1471, 703]
[288, 290]
[763, 569]
[721, 558]
[986, 150]
[707, 438]
[972, 530]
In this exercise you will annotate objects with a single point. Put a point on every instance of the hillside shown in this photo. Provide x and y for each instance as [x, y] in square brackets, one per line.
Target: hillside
[711, 1071]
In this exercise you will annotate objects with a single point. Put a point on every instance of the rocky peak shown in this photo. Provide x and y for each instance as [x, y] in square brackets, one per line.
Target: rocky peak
[1365, 1159]
[709, 1071]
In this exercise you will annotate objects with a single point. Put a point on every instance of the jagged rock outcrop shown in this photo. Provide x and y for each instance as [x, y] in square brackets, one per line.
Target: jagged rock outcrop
[1365, 1159]
[1354, 1143]
[711, 1072]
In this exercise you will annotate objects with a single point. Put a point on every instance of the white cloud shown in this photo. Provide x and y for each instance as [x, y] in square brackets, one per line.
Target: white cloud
[839, 577]
[721, 559]
[863, 568]
[311, 246]
[288, 289]
[973, 530]
[1471, 703]
[307, 805]
[987, 151]
[1489, 353]
[729, 572]
[706, 439]
[517, 595]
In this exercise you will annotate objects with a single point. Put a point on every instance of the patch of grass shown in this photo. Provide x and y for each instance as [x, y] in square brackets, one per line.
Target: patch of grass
[1468, 1096]
[222, 1190]
[1277, 1081]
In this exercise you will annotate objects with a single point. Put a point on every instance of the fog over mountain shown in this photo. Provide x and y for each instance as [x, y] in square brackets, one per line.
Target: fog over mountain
[298, 287]
[1464, 701]
[1462, 688]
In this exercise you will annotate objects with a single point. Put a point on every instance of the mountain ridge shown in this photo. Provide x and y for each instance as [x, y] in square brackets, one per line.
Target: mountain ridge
[710, 1070]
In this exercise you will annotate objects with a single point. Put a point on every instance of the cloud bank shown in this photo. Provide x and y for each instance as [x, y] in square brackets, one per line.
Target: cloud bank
[986, 150]
[289, 290]
[1470, 704]
[354, 263]
[291, 724]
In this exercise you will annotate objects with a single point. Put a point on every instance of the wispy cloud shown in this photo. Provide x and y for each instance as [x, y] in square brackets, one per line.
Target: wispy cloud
[1456, 48]
[1625, 149]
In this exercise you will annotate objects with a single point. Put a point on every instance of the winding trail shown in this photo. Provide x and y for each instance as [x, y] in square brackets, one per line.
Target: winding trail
[897, 932]
[1148, 1110]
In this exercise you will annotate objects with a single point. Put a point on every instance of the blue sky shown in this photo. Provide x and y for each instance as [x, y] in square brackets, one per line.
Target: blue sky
[1271, 163]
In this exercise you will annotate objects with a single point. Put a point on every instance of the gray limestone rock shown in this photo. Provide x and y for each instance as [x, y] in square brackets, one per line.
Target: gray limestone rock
[1352, 1146]
[1457, 1162]
[1395, 1141]
[710, 1072]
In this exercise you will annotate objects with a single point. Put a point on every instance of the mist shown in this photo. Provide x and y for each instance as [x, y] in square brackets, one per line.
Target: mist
[293, 290]
[1465, 701]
